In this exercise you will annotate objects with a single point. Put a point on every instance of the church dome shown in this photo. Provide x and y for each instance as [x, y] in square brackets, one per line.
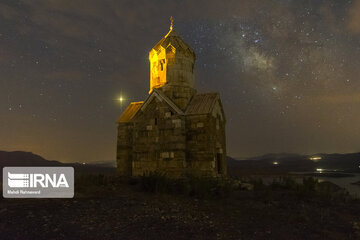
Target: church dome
[173, 39]
[172, 63]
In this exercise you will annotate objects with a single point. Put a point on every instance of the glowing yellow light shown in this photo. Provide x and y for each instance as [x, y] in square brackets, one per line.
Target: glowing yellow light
[172, 23]
[315, 158]
[275, 163]
[158, 70]
[159, 61]
[319, 170]
[121, 99]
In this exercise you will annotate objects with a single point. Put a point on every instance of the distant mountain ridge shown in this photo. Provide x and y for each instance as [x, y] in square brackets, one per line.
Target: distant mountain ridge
[286, 162]
[21, 158]
[301, 156]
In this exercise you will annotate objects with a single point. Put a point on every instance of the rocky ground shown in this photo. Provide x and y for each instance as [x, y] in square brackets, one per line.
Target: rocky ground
[125, 212]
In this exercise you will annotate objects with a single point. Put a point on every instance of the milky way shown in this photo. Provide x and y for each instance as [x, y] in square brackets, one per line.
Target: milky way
[287, 71]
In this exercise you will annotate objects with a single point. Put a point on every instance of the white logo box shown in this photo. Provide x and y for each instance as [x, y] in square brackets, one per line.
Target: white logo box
[38, 182]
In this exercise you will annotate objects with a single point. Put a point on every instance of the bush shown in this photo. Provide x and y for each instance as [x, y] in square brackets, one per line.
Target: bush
[86, 179]
[330, 190]
[284, 182]
[154, 182]
[209, 187]
[309, 184]
[257, 182]
[201, 187]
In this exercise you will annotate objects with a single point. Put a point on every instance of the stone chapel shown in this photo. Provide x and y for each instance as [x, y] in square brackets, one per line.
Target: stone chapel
[176, 130]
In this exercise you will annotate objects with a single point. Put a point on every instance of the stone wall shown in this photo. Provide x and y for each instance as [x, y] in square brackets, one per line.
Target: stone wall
[180, 69]
[159, 140]
[206, 145]
[199, 144]
[180, 95]
[179, 86]
[124, 149]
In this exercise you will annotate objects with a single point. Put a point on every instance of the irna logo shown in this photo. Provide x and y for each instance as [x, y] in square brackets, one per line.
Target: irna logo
[23, 180]
[38, 182]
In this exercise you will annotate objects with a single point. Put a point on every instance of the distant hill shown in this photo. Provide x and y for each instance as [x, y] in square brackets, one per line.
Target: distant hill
[286, 162]
[278, 156]
[20, 158]
[266, 164]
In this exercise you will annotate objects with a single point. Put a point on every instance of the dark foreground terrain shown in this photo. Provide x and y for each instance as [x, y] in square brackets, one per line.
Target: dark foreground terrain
[106, 207]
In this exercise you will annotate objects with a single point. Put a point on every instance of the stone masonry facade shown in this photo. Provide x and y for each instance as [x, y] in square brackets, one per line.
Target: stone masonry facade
[176, 130]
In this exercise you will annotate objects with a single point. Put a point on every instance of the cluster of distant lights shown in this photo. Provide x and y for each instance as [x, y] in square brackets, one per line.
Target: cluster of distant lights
[321, 170]
[315, 159]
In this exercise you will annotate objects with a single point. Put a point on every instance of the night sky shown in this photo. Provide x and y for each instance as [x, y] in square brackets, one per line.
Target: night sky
[287, 71]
